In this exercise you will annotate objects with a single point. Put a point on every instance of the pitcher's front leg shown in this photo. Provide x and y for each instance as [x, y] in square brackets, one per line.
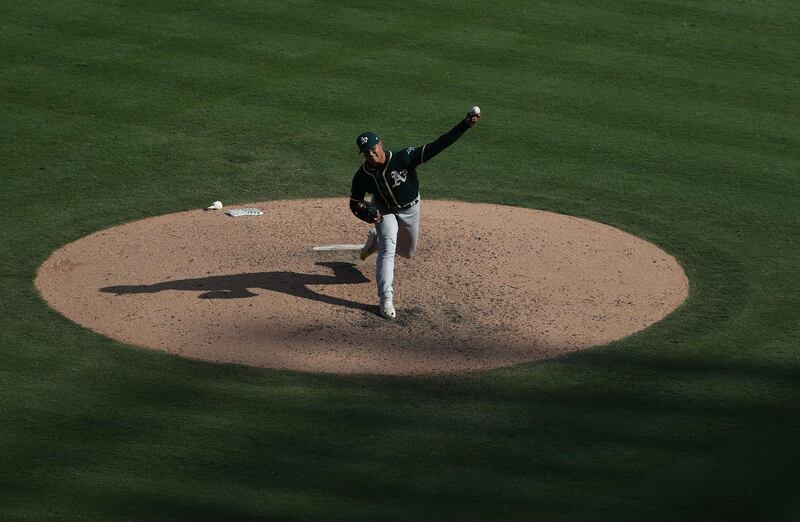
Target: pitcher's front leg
[408, 232]
[387, 246]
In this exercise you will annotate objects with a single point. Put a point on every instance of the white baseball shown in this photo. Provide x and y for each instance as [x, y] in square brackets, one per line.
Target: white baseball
[476, 110]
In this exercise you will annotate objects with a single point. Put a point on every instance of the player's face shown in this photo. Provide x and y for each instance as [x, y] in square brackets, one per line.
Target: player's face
[376, 155]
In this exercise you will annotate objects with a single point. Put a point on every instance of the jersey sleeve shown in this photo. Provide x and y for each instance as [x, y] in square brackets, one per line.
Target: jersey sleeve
[420, 155]
[360, 185]
[415, 155]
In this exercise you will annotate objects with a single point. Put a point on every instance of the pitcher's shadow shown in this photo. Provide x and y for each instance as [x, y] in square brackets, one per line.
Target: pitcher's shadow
[238, 286]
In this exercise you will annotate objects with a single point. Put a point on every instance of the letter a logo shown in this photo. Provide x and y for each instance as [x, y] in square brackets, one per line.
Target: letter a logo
[399, 177]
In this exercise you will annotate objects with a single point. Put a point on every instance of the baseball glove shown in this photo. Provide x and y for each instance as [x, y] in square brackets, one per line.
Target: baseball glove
[366, 211]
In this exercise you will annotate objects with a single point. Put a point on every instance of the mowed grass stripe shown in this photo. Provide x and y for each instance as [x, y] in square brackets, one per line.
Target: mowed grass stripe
[195, 80]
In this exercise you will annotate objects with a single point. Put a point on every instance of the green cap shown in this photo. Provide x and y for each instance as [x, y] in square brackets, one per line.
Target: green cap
[366, 140]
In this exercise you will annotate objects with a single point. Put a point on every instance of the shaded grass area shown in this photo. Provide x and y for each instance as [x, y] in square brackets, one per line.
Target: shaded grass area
[606, 436]
[675, 121]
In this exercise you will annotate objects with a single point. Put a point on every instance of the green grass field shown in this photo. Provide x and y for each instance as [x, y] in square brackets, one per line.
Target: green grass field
[675, 120]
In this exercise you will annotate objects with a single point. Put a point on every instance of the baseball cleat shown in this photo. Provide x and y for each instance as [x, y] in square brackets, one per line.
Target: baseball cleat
[371, 245]
[387, 311]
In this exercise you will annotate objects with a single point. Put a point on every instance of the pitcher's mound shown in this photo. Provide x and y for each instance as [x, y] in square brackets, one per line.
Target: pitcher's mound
[490, 286]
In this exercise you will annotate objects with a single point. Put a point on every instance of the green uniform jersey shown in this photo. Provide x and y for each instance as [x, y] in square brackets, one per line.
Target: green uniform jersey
[395, 183]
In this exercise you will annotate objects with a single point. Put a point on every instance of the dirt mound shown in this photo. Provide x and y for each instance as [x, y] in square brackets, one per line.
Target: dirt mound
[490, 286]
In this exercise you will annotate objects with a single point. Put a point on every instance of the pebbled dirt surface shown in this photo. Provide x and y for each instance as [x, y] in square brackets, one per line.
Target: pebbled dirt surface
[490, 286]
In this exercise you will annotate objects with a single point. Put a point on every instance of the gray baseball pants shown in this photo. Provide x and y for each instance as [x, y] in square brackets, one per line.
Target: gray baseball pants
[397, 235]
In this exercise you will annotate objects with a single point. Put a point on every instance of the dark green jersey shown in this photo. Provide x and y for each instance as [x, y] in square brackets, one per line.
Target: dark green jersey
[395, 183]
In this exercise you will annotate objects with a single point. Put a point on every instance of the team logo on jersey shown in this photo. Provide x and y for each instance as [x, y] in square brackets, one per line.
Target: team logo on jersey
[411, 149]
[398, 177]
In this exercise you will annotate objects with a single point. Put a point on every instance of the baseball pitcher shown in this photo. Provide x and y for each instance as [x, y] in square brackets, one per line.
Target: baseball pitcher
[391, 178]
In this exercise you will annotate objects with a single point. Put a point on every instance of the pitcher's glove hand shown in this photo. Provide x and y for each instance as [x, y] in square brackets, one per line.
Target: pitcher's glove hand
[367, 211]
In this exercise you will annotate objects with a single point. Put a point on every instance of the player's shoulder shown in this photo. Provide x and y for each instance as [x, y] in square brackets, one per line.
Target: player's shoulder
[405, 152]
[360, 174]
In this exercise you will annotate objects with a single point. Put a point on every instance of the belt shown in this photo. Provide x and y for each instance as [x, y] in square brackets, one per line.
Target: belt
[404, 207]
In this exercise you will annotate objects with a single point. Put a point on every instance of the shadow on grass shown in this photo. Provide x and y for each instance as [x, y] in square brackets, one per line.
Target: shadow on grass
[603, 436]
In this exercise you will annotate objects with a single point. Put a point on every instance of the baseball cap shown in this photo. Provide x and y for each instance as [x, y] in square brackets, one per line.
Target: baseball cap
[366, 140]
